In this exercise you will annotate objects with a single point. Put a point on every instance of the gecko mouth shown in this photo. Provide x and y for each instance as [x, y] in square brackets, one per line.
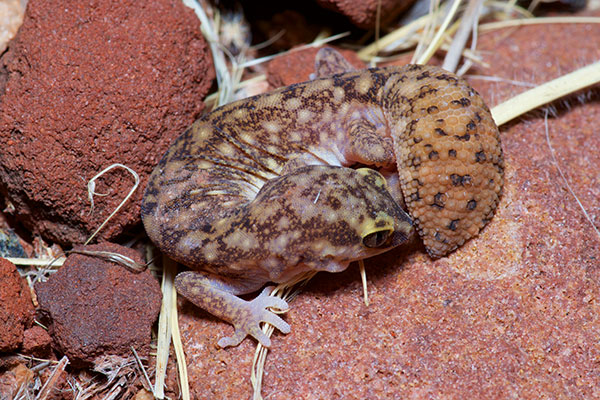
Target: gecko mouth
[377, 239]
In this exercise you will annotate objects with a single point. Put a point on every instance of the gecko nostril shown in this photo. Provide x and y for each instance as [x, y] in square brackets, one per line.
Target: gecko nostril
[377, 239]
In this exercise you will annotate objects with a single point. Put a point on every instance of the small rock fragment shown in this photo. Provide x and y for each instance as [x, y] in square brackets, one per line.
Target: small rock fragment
[10, 244]
[96, 308]
[16, 309]
[37, 342]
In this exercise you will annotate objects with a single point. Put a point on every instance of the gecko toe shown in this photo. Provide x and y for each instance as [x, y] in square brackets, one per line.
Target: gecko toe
[265, 300]
[275, 302]
[234, 340]
[262, 338]
[276, 321]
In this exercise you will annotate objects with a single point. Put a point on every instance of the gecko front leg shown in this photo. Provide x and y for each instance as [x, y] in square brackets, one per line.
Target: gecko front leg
[219, 297]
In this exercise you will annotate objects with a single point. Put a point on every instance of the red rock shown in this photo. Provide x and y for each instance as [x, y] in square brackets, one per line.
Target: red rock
[8, 384]
[364, 13]
[296, 27]
[16, 312]
[13, 380]
[86, 85]
[297, 65]
[37, 342]
[549, 52]
[98, 308]
[513, 313]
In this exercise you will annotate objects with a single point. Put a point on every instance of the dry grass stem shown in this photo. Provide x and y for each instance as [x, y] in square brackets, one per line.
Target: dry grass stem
[546, 93]
[363, 278]
[395, 40]
[38, 262]
[91, 193]
[467, 25]
[535, 21]
[501, 80]
[179, 353]
[147, 383]
[53, 379]
[316, 43]
[436, 11]
[44, 362]
[439, 36]
[164, 325]
[225, 79]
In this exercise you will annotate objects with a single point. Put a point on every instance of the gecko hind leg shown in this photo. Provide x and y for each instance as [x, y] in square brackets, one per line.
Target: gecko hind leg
[219, 298]
[329, 61]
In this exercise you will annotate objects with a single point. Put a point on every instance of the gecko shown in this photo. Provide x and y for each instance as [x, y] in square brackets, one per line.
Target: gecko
[316, 175]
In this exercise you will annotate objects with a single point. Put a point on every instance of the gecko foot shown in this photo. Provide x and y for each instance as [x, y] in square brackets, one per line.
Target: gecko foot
[247, 320]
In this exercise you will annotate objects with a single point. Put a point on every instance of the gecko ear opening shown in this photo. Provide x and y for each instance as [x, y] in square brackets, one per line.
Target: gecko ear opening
[377, 238]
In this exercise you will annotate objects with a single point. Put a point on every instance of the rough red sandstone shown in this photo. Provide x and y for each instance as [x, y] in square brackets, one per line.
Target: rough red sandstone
[96, 308]
[515, 311]
[16, 309]
[86, 85]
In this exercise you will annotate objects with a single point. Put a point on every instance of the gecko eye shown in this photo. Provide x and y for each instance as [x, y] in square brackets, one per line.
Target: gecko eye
[376, 239]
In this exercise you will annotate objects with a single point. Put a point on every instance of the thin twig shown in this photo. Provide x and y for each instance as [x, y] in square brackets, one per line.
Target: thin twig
[141, 367]
[91, 193]
[555, 161]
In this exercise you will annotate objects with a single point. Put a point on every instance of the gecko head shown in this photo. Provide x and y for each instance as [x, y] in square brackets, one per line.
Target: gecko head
[381, 223]
[369, 223]
[325, 217]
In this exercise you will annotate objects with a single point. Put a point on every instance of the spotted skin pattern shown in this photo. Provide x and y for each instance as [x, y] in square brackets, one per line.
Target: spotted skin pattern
[262, 189]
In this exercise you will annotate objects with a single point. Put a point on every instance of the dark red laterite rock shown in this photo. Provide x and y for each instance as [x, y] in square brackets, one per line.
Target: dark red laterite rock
[16, 309]
[88, 84]
[297, 66]
[364, 13]
[96, 308]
